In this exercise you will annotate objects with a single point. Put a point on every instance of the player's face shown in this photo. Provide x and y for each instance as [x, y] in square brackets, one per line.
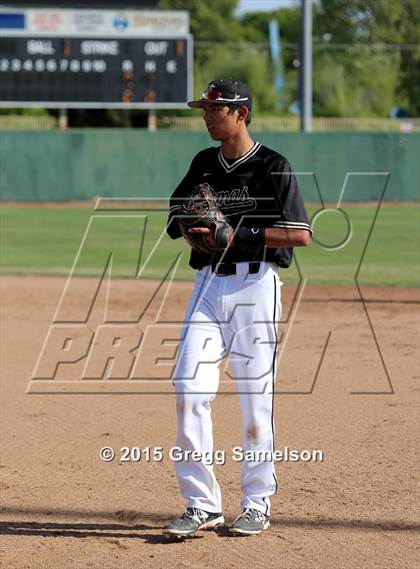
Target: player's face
[220, 121]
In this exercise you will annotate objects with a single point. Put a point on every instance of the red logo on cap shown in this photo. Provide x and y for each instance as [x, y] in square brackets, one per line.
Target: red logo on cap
[213, 94]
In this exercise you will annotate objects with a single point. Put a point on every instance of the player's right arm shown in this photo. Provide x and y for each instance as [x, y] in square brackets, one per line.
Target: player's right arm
[172, 226]
[175, 204]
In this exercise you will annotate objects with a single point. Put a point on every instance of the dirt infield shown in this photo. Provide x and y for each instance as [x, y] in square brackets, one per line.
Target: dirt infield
[348, 385]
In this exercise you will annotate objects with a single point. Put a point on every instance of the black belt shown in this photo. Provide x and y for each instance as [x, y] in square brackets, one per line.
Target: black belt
[226, 269]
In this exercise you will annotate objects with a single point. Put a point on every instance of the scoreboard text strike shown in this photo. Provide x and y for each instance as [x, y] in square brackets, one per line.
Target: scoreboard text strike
[94, 70]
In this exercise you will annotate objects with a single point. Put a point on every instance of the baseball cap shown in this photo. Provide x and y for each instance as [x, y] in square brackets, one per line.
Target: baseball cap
[226, 91]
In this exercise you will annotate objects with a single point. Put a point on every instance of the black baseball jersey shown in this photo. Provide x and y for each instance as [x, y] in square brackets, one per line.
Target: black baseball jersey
[257, 189]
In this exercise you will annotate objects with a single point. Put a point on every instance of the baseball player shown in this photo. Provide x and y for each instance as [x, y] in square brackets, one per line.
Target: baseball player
[235, 306]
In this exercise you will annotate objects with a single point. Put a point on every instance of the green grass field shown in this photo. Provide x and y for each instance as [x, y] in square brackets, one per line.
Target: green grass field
[45, 240]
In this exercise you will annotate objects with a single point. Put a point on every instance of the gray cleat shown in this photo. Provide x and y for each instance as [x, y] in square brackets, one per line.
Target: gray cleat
[249, 522]
[191, 521]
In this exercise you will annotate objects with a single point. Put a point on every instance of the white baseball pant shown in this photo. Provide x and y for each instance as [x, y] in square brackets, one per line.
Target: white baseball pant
[234, 316]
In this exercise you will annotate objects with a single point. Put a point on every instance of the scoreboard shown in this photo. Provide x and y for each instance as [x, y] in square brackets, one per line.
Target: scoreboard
[94, 72]
[79, 70]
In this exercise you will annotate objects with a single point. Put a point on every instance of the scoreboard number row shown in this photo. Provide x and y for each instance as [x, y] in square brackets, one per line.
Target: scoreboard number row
[77, 66]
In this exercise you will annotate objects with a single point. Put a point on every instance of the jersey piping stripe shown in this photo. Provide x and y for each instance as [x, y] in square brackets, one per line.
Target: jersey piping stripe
[230, 167]
[273, 431]
[298, 224]
[266, 505]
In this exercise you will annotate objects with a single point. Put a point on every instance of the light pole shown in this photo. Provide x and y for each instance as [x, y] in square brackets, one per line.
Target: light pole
[306, 67]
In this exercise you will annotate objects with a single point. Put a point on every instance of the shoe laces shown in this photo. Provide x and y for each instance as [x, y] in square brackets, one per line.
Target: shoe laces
[195, 513]
[250, 514]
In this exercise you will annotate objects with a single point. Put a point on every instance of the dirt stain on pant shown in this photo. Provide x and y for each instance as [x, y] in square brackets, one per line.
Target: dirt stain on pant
[252, 433]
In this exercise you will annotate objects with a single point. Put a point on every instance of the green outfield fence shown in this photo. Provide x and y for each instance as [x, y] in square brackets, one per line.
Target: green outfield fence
[121, 163]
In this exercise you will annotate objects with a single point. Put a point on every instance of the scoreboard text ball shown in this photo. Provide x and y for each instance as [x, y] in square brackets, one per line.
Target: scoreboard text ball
[101, 72]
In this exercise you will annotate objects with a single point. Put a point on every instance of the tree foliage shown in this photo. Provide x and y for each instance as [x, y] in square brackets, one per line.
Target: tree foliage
[398, 22]
[379, 69]
[355, 86]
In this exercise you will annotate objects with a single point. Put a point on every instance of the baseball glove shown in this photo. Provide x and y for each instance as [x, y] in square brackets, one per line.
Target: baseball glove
[200, 209]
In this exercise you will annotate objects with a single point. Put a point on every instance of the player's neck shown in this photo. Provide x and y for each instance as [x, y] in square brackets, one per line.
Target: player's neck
[237, 145]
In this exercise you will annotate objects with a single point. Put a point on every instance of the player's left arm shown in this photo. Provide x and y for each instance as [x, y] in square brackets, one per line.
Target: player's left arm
[273, 237]
[279, 238]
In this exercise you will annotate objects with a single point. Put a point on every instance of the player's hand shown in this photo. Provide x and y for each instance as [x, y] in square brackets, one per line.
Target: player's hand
[209, 235]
